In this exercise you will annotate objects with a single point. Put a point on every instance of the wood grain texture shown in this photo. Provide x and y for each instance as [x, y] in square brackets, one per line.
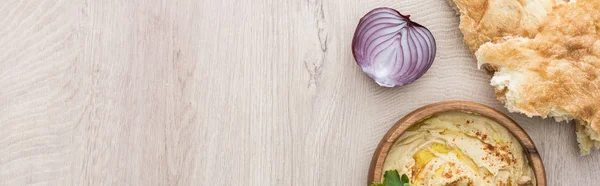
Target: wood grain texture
[220, 92]
[376, 171]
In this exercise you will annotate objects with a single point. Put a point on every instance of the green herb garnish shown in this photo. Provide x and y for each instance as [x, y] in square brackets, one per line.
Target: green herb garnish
[392, 178]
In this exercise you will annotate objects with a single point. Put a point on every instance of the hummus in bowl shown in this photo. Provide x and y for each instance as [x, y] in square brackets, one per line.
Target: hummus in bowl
[458, 143]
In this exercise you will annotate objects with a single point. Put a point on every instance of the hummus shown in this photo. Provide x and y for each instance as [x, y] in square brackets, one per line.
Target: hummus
[457, 148]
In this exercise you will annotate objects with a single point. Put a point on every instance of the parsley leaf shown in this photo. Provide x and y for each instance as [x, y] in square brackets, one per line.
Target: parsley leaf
[392, 178]
[405, 179]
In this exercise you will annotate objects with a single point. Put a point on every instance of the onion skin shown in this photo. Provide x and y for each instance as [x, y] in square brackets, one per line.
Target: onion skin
[391, 49]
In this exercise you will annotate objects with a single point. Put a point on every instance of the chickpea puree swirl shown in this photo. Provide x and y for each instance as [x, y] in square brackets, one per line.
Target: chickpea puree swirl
[457, 148]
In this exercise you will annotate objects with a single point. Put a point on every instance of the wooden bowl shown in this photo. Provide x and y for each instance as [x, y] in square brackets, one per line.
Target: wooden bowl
[376, 169]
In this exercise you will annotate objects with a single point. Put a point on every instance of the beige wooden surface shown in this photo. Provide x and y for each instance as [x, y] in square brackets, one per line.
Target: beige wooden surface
[220, 92]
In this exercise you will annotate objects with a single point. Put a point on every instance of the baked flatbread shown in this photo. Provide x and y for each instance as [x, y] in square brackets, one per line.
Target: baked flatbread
[555, 74]
[545, 57]
[483, 21]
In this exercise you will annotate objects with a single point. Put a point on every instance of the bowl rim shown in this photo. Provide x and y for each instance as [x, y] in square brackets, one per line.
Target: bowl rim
[376, 167]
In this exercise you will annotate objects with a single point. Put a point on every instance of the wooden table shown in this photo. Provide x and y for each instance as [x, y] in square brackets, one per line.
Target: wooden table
[220, 92]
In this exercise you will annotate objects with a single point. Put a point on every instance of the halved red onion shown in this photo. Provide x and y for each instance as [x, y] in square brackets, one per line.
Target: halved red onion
[391, 49]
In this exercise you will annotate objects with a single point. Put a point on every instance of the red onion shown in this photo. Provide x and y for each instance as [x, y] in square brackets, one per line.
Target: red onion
[391, 49]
